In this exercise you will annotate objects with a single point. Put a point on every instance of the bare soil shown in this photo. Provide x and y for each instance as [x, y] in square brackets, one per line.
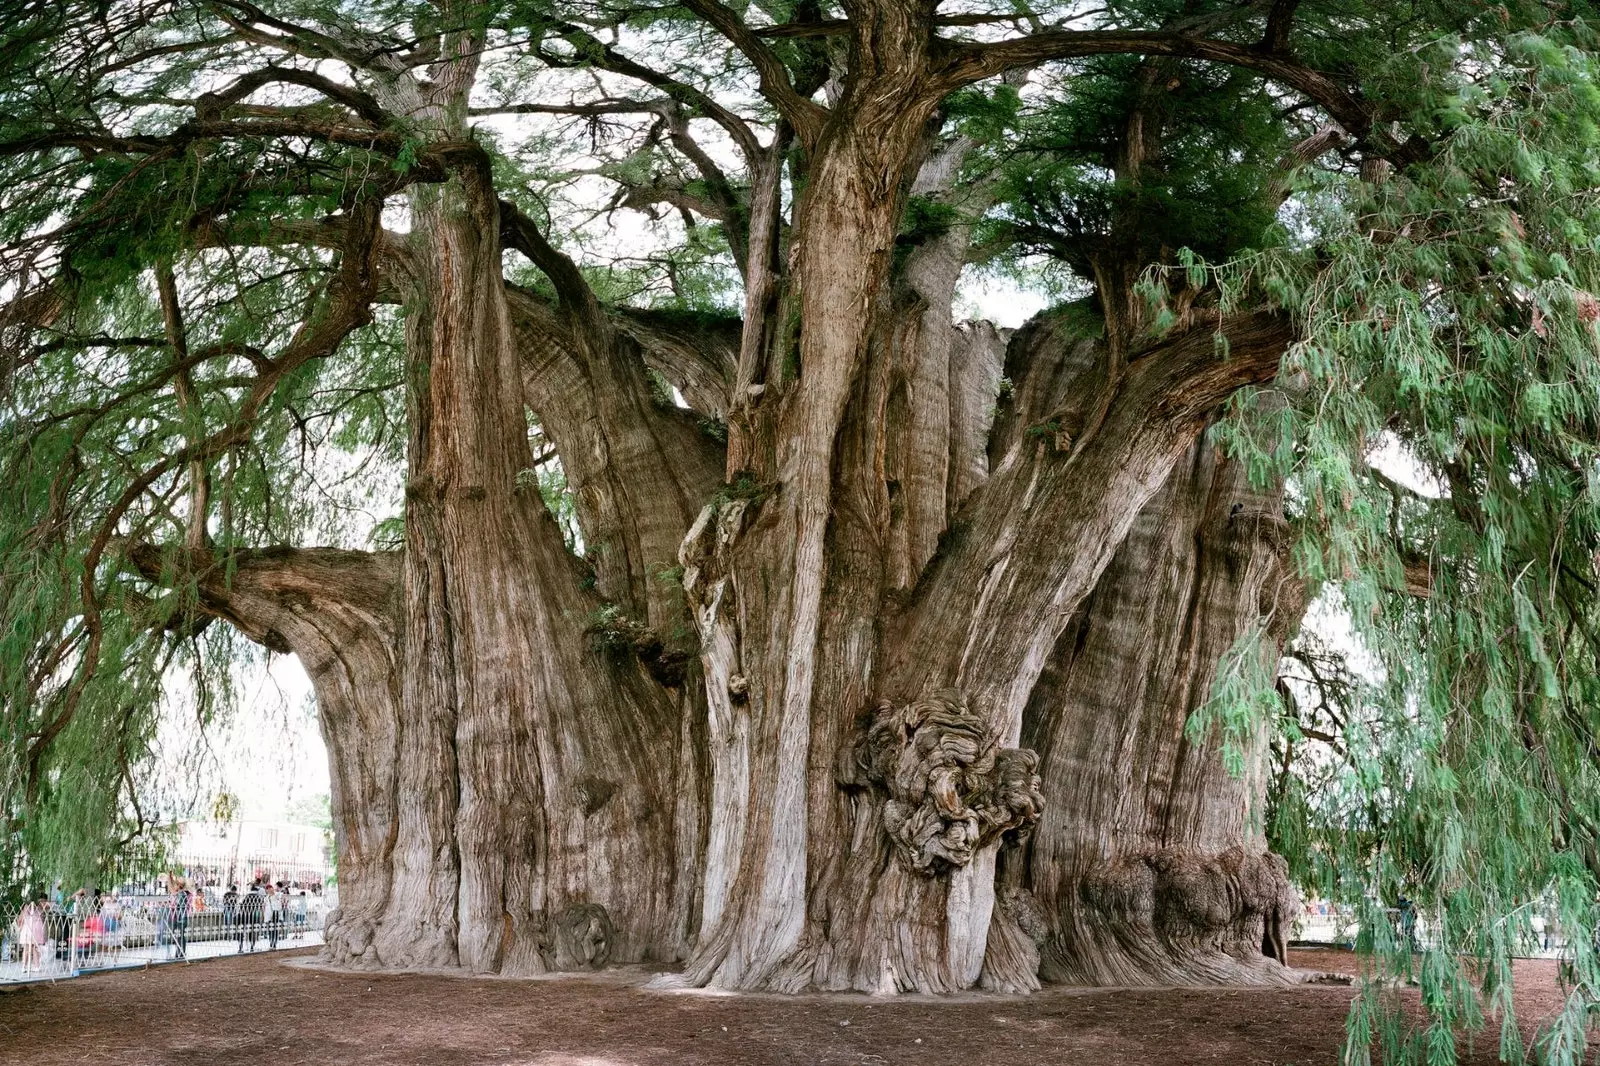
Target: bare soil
[276, 1011]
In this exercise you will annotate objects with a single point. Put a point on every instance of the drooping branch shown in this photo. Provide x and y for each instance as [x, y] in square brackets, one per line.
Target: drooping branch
[350, 293]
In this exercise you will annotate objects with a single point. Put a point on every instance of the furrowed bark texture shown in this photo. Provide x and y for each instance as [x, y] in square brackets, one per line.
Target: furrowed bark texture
[913, 789]
[339, 612]
[886, 694]
[537, 816]
[760, 574]
[505, 781]
[1149, 866]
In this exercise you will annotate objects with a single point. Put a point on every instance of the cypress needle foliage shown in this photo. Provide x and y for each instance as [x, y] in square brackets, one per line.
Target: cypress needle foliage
[1450, 317]
[97, 409]
[1441, 262]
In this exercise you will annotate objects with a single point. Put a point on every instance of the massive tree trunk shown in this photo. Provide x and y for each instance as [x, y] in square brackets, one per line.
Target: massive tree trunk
[536, 774]
[911, 618]
[513, 792]
[1148, 865]
[857, 821]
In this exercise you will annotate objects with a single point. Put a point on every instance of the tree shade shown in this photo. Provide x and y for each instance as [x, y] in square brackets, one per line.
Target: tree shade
[710, 592]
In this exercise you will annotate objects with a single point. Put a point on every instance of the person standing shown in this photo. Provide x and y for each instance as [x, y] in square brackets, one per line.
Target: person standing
[1408, 924]
[301, 904]
[230, 911]
[274, 909]
[111, 922]
[31, 933]
[180, 905]
[251, 912]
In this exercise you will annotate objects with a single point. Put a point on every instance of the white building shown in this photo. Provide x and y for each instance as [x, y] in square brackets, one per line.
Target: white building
[216, 854]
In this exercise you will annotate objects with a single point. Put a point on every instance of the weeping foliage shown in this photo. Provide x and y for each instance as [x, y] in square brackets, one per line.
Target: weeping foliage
[1450, 326]
[1444, 750]
[95, 404]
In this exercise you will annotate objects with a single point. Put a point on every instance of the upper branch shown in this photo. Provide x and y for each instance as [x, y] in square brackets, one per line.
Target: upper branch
[577, 299]
[1279, 20]
[597, 53]
[806, 116]
[363, 104]
[969, 62]
[247, 20]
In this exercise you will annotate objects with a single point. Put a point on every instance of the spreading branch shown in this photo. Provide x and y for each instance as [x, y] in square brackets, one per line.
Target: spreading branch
[971, 62]
[806, 116]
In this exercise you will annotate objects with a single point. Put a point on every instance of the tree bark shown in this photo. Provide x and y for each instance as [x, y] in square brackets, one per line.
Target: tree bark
[767, 589]
[513, 792]
[1149, 864]
[537, 797]
[947, 636]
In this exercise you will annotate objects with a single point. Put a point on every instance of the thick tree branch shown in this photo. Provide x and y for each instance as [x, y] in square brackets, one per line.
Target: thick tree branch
[1301, 155]
[360, 103]
[247, 20]
[264, 592]
[968, 63]
[804, 115]
[577, 299]
[658, 106]
[839, 27]
[1279, 21]
[188, 404]
[1035, 538]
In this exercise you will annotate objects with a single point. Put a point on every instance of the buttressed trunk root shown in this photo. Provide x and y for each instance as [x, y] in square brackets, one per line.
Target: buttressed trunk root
[1149, 864]
[339, 612]
[1175, 916]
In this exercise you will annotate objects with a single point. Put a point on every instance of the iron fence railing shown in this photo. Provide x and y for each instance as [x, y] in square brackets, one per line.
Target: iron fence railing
[143, 921]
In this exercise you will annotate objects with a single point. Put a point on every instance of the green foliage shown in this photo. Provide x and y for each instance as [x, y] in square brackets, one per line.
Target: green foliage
[1243, 702]
[745, 487]
[1449, 312]
[96, 651]
[314, 810]
[1063, 187]
[1451, 322]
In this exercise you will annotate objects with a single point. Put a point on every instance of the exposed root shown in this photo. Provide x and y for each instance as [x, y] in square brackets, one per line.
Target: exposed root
[1177, 917]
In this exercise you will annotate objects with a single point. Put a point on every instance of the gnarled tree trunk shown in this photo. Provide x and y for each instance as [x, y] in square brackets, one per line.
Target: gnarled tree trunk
[1148, 865]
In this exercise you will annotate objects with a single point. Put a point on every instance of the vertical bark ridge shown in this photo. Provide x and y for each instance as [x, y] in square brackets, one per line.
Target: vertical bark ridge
[846, 224]
[563, 817]
[1147, 866]
[639, 471]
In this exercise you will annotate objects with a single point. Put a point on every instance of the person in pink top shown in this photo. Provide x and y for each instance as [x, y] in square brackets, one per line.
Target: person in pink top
[31, 932]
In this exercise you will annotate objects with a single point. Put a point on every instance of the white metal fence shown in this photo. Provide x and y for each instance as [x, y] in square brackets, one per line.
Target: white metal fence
[140, 922]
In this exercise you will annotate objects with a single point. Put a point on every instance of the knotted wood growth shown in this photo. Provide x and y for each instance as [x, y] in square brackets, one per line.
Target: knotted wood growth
[951, 787]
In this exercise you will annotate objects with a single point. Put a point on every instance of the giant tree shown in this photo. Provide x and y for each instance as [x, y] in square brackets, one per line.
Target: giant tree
[872, 653]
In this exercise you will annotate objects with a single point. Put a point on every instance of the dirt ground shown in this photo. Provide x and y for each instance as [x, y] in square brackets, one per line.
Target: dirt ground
[274, 1012]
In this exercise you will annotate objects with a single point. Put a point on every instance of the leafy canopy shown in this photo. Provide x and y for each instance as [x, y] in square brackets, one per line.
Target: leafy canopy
[1429, 220]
